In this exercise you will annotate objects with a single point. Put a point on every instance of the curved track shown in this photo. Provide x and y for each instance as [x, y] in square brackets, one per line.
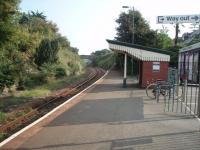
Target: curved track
[51, 103]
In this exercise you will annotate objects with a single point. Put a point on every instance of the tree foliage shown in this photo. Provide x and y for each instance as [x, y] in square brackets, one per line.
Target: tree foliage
[143, 35]
[103, 58]
[47, 52]
[141, 28]
[174, 55]
[8, 10]
[38, 14]
[6, 77]
[29, 45]
[163, 41]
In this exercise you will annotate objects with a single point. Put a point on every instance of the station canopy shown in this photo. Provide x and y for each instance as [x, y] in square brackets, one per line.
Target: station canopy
[191, 47]
[139, 52]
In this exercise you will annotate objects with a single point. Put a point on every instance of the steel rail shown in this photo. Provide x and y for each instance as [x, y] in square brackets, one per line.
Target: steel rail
[71, 90]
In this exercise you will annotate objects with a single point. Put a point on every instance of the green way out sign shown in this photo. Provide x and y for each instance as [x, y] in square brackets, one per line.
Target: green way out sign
[178, 19]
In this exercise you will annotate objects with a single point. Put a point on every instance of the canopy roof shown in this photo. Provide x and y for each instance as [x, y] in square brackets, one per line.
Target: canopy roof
[191, 47]
[139, 52]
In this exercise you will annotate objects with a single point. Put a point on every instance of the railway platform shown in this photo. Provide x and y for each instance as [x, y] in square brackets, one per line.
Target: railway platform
[109, 117]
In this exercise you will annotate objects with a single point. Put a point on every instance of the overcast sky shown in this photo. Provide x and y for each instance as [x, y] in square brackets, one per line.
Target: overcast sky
[88, 23]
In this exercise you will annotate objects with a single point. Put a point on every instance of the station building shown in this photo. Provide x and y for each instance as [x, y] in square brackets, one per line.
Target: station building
[153, 63]
[189, 63]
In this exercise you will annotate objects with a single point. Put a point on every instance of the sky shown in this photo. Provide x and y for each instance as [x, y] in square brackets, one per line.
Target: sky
[88, 23]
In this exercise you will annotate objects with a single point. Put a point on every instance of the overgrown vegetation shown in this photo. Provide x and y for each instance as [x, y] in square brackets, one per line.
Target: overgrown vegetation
[103, 58]
[38, 92]
[32, 51]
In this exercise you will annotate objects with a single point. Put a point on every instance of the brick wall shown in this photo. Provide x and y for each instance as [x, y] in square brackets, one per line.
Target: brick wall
[147, 73]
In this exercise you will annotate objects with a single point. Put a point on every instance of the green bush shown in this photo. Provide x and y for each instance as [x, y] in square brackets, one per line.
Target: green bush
[105, 61]
[36, 79]
[2, 117]
[47, 52]
[3, 136]
[21, 85]
[49, 69]
[6, 77]
[60, 72]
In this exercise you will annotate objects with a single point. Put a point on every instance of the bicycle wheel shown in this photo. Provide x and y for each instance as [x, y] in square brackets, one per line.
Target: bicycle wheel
[165, 90]
[151, 90]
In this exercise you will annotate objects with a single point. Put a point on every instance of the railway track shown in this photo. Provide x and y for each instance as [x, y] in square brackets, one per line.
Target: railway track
[51, 103]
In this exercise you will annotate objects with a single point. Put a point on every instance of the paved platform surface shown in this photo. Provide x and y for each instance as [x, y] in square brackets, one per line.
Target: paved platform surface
[110, 117]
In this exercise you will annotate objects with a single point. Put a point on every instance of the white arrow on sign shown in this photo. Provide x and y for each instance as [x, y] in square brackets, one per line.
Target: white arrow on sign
[178, 19]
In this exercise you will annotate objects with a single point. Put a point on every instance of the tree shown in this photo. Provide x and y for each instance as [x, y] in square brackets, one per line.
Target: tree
[47, 52]
[163, 40]
[143, 35]
[141, 29]
[29, 41]
[103, 58]
[63, 41]
[38, 15]
[8, 41]
[74, 50]
[174, 55]
[6, 77]
[100, 52]
[8, 9]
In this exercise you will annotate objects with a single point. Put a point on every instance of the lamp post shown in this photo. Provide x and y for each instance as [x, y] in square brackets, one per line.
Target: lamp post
[133, 23]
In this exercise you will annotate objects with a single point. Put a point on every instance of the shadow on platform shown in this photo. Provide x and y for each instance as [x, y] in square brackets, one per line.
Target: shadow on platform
[102, 111]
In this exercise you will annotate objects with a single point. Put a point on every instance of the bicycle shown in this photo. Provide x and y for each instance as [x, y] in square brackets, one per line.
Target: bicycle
[157, 88]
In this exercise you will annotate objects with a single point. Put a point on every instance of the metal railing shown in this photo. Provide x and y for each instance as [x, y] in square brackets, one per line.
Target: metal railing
[71, 90]
[178, 97]
[183, 99]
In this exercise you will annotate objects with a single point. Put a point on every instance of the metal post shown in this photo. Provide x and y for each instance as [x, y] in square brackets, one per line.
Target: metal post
[178, 78]
[185, 94]
[125, 70]
[158, 88]
[125, 57]
[132, 66]
[130, 22]
[198, 106]
[132, 42]
[132, 39]
[199, 28]
[139, 74]
[133, 27]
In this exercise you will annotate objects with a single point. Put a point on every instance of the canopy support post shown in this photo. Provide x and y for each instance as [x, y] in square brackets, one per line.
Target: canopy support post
[125, 70]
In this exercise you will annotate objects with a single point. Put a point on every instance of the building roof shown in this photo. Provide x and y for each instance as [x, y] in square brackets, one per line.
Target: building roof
[191, 47]
[190, 36]
[139, 52]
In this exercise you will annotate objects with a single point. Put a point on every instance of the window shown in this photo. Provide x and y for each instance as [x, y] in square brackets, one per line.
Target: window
[156, 66]
[195, 67]
[190, 67]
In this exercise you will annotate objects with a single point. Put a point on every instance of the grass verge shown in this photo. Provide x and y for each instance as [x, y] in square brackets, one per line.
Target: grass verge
[45, 90]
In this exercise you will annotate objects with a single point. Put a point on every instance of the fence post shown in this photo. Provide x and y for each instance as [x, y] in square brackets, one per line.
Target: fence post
[184, 91]
[198, 106]
[157, 93]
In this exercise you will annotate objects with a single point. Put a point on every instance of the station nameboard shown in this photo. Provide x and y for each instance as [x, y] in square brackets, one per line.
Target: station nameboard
[178, 19]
